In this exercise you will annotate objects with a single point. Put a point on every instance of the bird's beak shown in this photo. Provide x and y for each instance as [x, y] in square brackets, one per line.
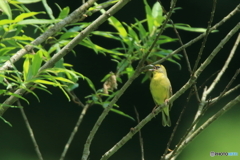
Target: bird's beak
[153, 68]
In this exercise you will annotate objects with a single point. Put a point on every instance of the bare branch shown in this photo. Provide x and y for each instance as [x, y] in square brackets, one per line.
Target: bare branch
[235, 11]
[75, 129]
[30, 131]
[206, 36]
[140, 134]
[217, 79]
[228, 106]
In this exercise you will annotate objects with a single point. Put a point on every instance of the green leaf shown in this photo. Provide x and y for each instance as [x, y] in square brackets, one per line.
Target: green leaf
[16, 95]
[36, 63]
[6, 21]
[64, 13]
[63, 80]
[157, 14]
[106, 35]
[122, 114]
[26, 15]
[38, 21]
[129, 71]
[45, 82]
[26, 66]
[150, 19]
[5, 121]
[91, 85]
[142, 32]
[188, 28]
[28, 1]
[68, 35]
[6, 8]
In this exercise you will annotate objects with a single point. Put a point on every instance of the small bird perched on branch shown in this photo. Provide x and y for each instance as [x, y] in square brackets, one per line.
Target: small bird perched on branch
[161, 90]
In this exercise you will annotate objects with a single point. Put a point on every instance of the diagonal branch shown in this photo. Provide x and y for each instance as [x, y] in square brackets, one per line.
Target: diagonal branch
[232, 13]
[66, 49]
[74, 16]
[190, 82]
[202, 127]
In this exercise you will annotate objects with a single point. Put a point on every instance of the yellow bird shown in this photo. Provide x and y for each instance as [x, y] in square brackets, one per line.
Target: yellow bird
[161, 90]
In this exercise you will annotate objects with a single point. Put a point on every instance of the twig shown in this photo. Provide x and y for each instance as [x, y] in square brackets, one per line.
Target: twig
[214, 100]
[217, 79]
[173, 3]
[225, 65]
[228, 106]
[208, 31]
[74, 131]
[198, 72]
[186, 58]
[140, 134]
[30, 131]
[235, 11]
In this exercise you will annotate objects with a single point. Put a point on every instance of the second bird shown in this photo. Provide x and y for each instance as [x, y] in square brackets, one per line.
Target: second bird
[161, 90]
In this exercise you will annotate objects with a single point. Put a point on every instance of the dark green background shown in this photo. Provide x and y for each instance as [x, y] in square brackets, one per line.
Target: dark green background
[53, 119]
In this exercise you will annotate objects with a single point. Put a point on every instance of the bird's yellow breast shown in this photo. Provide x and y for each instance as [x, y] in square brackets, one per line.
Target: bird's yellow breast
[159, 87]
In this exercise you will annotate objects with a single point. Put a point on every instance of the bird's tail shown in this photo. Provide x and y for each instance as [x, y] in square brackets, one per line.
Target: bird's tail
[166, 117]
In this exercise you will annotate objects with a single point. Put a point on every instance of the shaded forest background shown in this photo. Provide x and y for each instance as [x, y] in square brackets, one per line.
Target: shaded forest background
[54, 117]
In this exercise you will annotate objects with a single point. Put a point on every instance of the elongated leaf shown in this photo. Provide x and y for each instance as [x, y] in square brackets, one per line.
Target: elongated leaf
[26, 15]
[45, 82]
[26, 66]
[16, 95]
[6, 21]
[91, 85]
[36, 63]
[64, 13]
[150, 19]
[28, 1]
[38, 21]
[5, 121]
[6, 8]
[63, 79]
[157, 14]
[122, 114]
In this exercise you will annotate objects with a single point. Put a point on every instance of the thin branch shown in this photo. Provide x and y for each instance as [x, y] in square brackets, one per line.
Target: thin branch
[198, 72]
[217, 79]
[232, 13]
[173, 3]
[230, 57]
[214, 100]
[140, 134]
[30, 131]
[186, 58]
[208, 31]
[83, 113]
[74, 16]
[228, 106]
[176, 126]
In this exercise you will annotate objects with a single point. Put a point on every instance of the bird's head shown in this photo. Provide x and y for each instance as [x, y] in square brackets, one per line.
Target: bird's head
[158, 69]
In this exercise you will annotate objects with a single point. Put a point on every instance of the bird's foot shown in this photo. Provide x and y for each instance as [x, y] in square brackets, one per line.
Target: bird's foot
[166, 101]
[153, 111]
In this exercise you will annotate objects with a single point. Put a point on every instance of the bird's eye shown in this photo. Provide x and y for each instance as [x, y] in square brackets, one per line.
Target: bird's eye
[157, 67]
